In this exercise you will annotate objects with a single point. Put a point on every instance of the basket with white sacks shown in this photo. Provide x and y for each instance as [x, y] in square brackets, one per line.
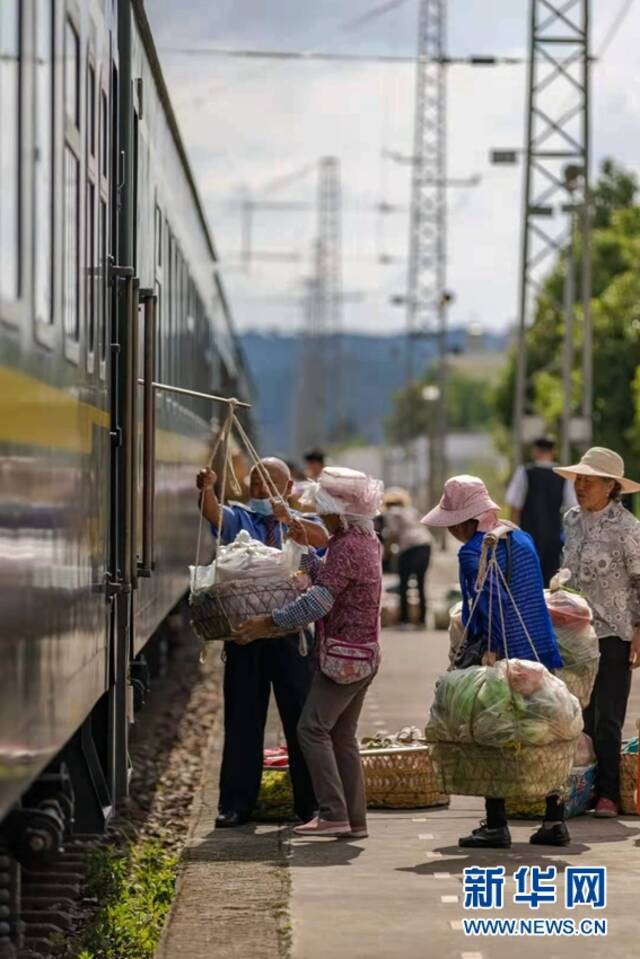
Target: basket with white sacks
[247, 578]
[507, 730]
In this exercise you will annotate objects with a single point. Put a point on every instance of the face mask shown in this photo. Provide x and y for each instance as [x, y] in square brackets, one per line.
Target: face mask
[262, 506]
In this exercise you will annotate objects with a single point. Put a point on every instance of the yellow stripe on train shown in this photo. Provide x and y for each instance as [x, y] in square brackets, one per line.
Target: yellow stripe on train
[33, 413]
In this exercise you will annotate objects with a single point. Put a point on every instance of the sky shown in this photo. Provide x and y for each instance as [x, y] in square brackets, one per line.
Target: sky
[249, 125]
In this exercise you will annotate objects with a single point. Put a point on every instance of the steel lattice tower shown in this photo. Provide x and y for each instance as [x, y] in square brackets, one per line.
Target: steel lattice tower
[426, 278]
[557, 154]
[320, 409]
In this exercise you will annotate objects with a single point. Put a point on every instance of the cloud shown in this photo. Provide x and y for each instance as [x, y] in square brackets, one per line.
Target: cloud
[245, 124]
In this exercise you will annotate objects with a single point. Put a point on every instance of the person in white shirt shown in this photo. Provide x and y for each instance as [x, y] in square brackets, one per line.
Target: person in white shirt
[538, 498]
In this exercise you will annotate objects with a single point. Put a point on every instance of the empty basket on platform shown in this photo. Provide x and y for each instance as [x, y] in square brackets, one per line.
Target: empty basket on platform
[219, 609]
[401, 778]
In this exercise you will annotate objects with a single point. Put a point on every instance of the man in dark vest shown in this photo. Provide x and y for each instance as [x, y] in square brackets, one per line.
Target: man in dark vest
[538, 498]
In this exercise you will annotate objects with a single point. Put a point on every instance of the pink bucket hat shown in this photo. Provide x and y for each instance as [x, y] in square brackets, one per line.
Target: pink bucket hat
[464, 497]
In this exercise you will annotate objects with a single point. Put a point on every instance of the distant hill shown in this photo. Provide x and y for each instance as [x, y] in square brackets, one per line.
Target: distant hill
[375, 370]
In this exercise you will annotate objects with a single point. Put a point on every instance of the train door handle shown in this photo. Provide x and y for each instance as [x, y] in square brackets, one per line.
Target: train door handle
[132, 411]
[149, 299]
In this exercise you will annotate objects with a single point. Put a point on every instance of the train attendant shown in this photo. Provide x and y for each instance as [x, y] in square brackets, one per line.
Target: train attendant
[344, 602]
[249, 672]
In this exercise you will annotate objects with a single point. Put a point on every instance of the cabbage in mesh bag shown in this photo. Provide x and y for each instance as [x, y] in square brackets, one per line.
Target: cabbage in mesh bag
[483, 704]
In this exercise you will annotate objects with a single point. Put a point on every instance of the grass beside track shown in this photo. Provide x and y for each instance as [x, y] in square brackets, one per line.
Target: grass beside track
[134, 887]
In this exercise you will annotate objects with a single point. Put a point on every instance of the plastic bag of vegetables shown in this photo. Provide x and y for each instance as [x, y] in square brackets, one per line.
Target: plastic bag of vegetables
[514, 703]
[571, 617]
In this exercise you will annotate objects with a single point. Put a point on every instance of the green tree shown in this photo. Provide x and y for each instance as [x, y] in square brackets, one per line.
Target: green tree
[616, 326]
[469, 407]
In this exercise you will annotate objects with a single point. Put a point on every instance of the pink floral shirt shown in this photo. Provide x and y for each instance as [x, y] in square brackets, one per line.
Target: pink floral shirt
[352, 573]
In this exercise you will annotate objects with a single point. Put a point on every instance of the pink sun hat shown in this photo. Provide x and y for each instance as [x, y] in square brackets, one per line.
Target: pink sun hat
[464, 497]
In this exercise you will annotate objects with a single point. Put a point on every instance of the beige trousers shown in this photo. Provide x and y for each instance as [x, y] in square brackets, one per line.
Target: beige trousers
[327, 736]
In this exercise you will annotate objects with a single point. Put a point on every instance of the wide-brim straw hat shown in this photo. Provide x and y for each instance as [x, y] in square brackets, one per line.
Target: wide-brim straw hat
[464, 497]
[599, 461]
[397, 496]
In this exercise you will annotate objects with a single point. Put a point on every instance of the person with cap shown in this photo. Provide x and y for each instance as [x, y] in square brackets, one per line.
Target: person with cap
[411, 541]
[602, 551]
[315, 460]
[538, 498]
[468, 512]
[344, 602]
[249, 674]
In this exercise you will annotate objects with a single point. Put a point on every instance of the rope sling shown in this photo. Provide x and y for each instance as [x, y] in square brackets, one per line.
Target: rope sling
[229, 478]
[475, 768]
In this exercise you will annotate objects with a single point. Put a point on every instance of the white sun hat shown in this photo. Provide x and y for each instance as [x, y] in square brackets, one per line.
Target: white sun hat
[599, 461]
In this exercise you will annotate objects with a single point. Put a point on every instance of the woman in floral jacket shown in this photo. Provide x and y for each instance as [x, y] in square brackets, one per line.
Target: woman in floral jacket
[602, 551]
[344, 602]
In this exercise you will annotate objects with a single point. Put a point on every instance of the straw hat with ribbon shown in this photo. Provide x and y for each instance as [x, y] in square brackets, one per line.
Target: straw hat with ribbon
[599, 461]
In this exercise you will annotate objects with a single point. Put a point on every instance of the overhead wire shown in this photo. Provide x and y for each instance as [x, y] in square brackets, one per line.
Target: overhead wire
[616, 23]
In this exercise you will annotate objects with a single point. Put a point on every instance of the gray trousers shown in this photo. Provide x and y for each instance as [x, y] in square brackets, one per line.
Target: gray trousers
[327, 736]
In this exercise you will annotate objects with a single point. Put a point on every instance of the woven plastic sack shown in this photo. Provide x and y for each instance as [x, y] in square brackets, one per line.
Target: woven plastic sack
[512, 704]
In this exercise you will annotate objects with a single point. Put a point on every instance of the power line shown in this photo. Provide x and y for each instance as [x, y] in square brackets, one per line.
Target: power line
[618, 20]
[374, 14]
[326, 56]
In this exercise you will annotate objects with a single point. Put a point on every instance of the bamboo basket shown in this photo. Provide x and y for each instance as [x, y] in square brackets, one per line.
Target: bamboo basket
[522, 772]
[629, 784]
[222, 608]
[401, 778]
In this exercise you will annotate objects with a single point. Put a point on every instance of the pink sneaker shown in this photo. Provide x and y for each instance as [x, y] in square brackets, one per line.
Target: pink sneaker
[605, 809]
[322, 827]
[359, 832]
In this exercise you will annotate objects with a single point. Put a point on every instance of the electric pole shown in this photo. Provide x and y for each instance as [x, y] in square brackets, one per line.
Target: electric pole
[427, 299]
[320, 400]
[557, 167]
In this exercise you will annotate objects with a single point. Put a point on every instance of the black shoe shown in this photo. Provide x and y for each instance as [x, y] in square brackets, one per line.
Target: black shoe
[227, 820]
[485, 838]
[556, 835]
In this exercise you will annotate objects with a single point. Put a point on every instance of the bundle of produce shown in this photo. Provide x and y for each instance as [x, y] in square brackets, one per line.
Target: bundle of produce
[508, 730]
[246, 579]
[572, 618]
[399, 772]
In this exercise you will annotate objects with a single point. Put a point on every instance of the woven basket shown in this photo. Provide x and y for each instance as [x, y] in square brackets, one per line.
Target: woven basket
[527, 772]
[576, 793]
[629, 783]
[402, 778]
[218, 610]
[580, 679]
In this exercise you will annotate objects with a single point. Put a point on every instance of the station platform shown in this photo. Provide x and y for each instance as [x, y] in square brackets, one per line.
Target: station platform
[258, 892]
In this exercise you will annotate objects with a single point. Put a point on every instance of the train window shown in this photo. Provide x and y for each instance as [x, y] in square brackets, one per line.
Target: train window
[104, 126]
[91, 109]
[71, 73]
[10, 50]
[43, 162]
[70, 251]
[90, 267]
[159, 344]
[102, 278]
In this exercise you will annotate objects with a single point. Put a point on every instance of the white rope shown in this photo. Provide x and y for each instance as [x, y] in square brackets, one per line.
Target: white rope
[222, 438]
[488, 565]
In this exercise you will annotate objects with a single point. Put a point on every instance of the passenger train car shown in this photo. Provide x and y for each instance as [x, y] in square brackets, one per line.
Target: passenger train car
[108, 281]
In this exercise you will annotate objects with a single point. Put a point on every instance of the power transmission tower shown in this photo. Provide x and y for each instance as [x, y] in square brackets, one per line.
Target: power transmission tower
[558, 154]
[320, 401]
[426, 278]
